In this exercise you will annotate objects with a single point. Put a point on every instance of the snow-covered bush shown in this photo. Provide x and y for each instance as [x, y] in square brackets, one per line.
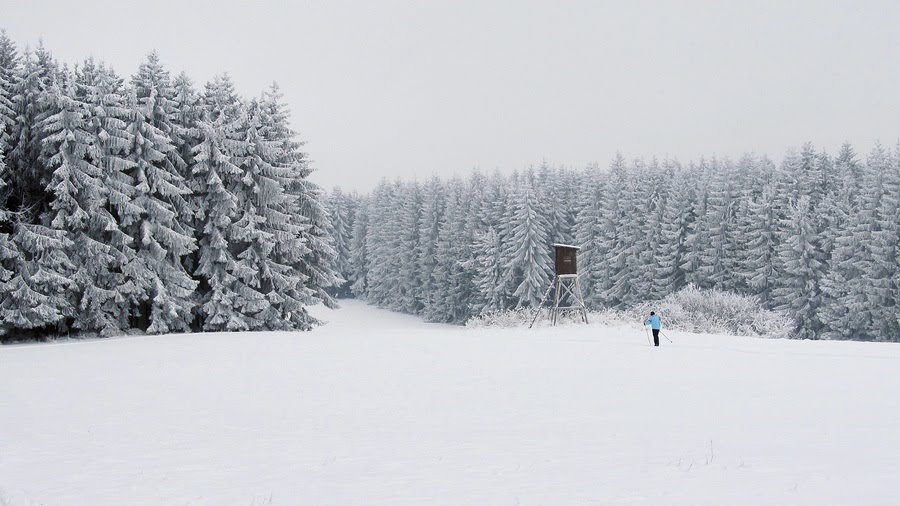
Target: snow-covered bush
[509, 318]
[716, 312]
[690, 309]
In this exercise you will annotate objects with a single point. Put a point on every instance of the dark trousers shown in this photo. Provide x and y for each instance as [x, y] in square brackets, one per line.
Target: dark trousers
[655, 337]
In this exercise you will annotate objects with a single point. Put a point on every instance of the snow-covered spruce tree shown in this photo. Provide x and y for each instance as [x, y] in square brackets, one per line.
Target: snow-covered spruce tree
[529, 262]
[658, 199]
[759, 272]
[265, 222]
[841, 199]
[28, 176]
[251, 177]
[185, 136]
[38, 298]
[859, 289]
[478, 207]
[383, 245]
[719, 260]
[433, 204]
[883, 207]
[171, 108]
[492, 293]
[9, 67]
[185, 114]
[341, 229]
[503, 214]
[697, 240]
[798, 291]
[678, 222]
[258, 277]
[81, 189]
[358, 251]
[650, 200]
[160, 238]
[107, 98]
[556, 194]
[8, 252]
[409, 296]
[610, 240]
[311, 254]
[813, 175]
[588, 221]
[631, 280]
[218, 176]
[9, 62]
[454, 286]
[754, 174]
[844, 310]
[889, 246]
[488, 262]
[4, 176]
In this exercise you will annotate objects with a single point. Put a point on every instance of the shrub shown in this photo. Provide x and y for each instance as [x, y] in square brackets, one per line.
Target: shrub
[715, 312]
[690, 309]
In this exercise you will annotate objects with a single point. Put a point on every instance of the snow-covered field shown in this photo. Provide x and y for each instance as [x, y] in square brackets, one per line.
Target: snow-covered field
[380, 408]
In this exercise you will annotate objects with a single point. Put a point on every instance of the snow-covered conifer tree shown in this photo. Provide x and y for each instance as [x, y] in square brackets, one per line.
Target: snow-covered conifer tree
[676, 223]
[80, 188]
[358, 252]
[630, 279]
[433, 203]
[9, 63]
[39, 293]
[454, 285]
[798, 287]
[341, 230]
[882, 207]
[312, 254]
[28, 176]
[493, 291]
[529, 263]
[759, 272]
[488, 262]
[218, 175]
[408, 296]
[588, 222]
[608, 241]
[382, 240]
[160, 238]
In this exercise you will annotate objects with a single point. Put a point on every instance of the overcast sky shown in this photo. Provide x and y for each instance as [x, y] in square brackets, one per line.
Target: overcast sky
[410, 89]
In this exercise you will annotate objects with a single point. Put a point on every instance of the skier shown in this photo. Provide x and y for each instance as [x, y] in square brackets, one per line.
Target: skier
[655, 324]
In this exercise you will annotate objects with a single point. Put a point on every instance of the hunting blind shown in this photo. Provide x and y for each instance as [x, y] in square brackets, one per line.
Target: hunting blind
[567, 296]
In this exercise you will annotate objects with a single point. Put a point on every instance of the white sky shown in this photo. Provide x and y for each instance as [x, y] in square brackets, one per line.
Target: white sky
[414, 88]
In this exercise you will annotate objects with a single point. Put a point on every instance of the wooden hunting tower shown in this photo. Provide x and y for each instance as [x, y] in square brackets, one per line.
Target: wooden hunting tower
[568, 289]
[565, 259]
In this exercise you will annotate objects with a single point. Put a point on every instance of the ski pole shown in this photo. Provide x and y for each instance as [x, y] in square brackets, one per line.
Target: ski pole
[667, 337]
[649, 339]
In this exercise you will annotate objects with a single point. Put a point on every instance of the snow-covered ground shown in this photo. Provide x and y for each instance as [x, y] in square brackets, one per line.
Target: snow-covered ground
[380, 408]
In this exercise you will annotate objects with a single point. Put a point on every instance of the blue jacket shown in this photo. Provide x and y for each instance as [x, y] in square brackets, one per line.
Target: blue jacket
[654, 322]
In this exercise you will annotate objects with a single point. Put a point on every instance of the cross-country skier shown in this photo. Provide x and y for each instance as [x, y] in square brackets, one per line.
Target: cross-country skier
[655, 324]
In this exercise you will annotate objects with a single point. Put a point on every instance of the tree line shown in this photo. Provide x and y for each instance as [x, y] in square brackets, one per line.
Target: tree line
[148, 205]
[815, 236]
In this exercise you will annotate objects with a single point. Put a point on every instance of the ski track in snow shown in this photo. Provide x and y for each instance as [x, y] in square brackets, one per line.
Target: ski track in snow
[382, 408]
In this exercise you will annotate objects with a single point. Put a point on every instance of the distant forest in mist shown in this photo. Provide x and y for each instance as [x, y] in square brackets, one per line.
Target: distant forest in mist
[815, 236]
